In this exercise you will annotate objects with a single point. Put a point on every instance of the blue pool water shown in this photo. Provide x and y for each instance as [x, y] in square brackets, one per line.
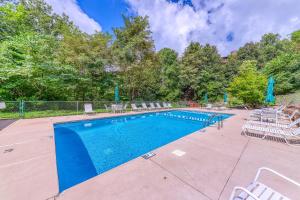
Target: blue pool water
[87, 148]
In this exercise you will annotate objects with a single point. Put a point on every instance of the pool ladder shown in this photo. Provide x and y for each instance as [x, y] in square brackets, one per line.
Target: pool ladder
[219, 120]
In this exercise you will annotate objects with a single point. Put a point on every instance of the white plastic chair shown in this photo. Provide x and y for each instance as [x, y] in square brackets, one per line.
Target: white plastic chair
[107, 108]
[287, 134]
[2, 105]
[165, 105]
[276, 125]
[88, 108]
[134, 107]
[145, 106]
[209, 106]
[152, 107]
[259, 191]
[158, 106]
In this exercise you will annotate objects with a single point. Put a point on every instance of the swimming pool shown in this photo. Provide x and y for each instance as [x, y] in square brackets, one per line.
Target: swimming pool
[87, 148]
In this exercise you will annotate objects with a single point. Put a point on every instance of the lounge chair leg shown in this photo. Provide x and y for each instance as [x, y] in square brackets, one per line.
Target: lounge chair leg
[265, 135]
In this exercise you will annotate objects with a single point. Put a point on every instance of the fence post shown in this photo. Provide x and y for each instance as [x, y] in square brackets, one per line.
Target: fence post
[21, 109]
[77, 107]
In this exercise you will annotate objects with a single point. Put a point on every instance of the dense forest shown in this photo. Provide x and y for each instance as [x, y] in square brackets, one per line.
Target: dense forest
[44, 56]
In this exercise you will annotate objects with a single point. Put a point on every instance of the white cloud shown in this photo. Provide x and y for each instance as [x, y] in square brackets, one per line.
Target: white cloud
[72, 9]
[211, 21]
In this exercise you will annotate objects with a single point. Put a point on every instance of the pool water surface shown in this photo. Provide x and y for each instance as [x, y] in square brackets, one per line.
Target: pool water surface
[88, 148]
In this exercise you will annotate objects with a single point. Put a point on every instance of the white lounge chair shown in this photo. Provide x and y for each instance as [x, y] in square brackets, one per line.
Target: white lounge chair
[209, 106]
[135, 108]
[2, 105]
[259, 191]
[152, 107]
[125, 107]
[169, 105]
[88, 108]
[289, 135]
[144, 106]
[273, 116]
[268, 110]
[165, 105]
[117, 108]
[158, 106]
[278, 125]
[107, 108]
[289, 117]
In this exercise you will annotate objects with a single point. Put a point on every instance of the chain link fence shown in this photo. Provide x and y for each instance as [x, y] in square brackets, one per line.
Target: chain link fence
[35, 109]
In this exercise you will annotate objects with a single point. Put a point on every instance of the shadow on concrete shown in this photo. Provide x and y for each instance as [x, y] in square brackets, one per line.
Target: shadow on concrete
[6, 122]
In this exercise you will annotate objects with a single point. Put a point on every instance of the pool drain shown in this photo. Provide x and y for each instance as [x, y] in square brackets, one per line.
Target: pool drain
[148, 155]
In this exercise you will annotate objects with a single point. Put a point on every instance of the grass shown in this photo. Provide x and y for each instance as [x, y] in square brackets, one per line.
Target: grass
[9, 115]
[294, 97]
[44, 113]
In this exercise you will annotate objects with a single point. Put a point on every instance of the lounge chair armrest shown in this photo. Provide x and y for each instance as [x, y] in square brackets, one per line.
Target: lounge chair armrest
[276, 173]
[235, 189]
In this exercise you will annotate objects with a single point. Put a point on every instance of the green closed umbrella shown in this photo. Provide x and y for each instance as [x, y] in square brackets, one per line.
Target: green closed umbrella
[225, 97]
[270, 91]
[206, 98]
[117, 97]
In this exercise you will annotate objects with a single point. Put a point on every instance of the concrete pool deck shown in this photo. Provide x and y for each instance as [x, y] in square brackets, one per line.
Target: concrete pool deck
[214, 162]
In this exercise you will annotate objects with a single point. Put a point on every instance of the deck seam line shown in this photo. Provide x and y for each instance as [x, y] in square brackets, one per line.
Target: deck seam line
[186, 183]
[233, 170]
[27, 160]
[19, 143]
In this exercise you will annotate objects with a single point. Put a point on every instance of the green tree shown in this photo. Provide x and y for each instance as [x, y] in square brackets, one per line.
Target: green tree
[201, 71]
[29, 70]
[286, 70]
[169, 70]
[189, 70]
[270, 46]
[249, 86]
[250, 51]
[13, 20]
[133, 52]
[231, 65]
[88, 60]
[295, 37]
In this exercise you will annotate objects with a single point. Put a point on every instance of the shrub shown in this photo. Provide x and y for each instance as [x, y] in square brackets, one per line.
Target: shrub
[249, 86]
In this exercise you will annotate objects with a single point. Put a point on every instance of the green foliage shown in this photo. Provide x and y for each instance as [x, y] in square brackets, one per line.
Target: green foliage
[286, 71]
[296, 36]
[41, 59]
[249, 86]
[250, 51]
[296, 39]
[28, 68]
[169, 79]
[133, 53]
[201, 71]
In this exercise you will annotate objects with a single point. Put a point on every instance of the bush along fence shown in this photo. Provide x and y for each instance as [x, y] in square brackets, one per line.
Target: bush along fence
[34, 109]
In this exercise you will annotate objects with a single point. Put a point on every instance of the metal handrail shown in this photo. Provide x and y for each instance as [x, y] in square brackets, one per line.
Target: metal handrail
[220, 121]
[210, 119]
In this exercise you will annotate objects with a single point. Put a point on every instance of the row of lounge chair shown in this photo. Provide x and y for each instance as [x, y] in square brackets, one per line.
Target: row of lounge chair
[151, 106]
[272, 124]
[210, 106]
[115, 108]
[88, 108]
[269, 123]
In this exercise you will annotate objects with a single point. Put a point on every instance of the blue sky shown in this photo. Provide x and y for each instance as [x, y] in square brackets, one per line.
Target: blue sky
[228, 24]
[108, 13]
